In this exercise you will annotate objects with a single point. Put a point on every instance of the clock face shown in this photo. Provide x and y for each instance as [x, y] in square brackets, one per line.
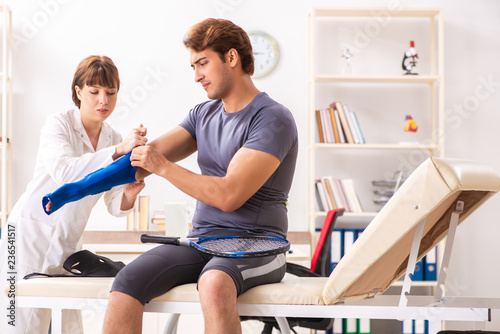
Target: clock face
[265, 53]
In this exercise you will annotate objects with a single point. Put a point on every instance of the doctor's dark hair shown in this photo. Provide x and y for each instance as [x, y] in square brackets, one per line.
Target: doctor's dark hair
[95, 70]
[221, 36]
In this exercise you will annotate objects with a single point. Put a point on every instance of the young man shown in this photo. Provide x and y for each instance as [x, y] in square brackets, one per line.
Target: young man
[247, 149]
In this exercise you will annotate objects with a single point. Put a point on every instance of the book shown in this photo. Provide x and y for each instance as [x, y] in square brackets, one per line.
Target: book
[350, 326]
[352, 127]
[337, 195]
[407, 326]
[320, 127]
[349, 239]
[322, 201]
[343, 121]
[322, 120]
[327, 183]
[133, 217]
[336, 247]
[352, 195]
[328, 126]
[342, 139]
[358, 127]
[348, 197]
[158, 214]
[318, 196]
[364, 326]
[336, 135]
[419, 326]
[159, 223]
[338, 326]
[340, 191]
[143, 213]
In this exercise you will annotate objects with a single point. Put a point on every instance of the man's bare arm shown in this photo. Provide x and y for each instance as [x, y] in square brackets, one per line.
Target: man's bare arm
[247, 172]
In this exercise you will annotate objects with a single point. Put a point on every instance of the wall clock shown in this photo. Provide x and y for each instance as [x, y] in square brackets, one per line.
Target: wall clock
[265, 52]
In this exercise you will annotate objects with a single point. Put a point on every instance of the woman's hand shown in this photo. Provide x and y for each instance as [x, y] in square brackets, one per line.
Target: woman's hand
[130, 192]
[135, 138]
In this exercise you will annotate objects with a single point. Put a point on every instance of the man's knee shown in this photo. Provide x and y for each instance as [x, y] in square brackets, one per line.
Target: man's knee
[117, 298]
[216, 283]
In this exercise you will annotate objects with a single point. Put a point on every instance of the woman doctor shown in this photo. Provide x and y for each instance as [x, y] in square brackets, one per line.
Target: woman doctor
[72, 144]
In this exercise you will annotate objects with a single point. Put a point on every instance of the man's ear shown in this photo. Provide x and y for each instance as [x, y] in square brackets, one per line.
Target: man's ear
[232, 57]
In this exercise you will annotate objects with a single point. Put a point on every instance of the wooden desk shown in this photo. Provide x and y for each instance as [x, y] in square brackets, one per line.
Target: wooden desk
[129, 242]
[134, 237]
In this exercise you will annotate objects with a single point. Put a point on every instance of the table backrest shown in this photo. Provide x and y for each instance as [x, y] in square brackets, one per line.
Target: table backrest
[380, 255]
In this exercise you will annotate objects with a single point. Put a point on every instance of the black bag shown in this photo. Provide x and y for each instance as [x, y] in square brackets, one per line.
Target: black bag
[87, 264]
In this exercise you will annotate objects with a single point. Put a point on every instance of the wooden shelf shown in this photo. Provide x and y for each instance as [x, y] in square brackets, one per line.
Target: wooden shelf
[405, 79]
[376, 12]
[377, 146]
[350, 214]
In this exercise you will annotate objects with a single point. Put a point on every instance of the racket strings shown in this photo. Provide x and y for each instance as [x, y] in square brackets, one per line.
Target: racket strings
[247, 245]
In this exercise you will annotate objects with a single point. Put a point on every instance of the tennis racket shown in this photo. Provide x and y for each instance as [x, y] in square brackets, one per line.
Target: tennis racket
[227, 246]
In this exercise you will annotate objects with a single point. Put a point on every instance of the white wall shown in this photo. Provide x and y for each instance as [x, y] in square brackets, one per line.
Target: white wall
[145, 41]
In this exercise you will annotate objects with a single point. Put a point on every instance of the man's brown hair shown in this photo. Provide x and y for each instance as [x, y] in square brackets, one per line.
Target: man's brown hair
[95, 71]
[220, 36]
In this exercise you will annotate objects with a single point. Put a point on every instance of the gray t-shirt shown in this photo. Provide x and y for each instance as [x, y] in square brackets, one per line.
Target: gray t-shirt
[263, 125]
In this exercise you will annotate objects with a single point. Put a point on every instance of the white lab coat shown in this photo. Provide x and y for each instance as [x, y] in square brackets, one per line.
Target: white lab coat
[44, 241]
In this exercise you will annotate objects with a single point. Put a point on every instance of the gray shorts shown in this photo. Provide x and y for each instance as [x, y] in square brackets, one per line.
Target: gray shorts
[164, 267]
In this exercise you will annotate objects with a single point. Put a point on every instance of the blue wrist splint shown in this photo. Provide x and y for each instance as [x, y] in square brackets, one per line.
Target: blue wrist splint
[119, 172]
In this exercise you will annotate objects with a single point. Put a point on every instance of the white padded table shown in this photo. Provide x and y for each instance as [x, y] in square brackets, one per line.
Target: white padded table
[426, 206]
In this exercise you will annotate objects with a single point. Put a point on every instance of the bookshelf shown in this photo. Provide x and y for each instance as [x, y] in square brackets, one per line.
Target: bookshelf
[430, 78]
[380, 93]
[6, 114]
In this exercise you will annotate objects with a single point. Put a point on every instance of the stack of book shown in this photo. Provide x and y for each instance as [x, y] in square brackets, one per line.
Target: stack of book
[158, 220]
[339, 125]
[334, 193]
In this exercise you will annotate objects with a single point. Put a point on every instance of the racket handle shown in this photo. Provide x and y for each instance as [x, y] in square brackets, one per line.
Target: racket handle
[159, 239]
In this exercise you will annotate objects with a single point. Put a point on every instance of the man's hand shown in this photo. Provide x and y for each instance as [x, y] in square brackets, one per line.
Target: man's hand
[148, 158]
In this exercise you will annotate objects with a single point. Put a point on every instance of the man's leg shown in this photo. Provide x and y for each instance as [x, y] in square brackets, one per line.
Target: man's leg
[124, 314]
[218, 301]
[148, 276]
[223, 279]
